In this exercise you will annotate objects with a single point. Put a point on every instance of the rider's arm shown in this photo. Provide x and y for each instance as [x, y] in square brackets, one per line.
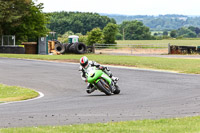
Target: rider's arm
[83, 76]
[93, 63]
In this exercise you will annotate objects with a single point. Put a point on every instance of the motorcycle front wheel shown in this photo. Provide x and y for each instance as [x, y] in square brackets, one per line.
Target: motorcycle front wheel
[104, 87]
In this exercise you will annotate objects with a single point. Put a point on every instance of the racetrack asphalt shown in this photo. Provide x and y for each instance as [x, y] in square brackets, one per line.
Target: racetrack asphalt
[144, 94]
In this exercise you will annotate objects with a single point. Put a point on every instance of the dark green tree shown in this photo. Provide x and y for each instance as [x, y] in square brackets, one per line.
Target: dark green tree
[165, 33]
[173, 33]
[119, 36]
[34, 24]
[155, 34]
[191, 34]
[182, 31]
[135, 30]
[11, 12]
[95, 36]
[109, 33]
[197, 30]
[186, 32]
[22, 18]
[194, 29]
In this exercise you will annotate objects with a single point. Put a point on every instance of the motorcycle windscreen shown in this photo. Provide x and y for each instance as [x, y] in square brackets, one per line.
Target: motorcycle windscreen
[93, 78]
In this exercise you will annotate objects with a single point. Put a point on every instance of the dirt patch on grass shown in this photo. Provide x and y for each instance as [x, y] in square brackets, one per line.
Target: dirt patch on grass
[132, 51]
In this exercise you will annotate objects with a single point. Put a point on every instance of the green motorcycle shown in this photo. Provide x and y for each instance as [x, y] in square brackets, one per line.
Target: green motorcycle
[101, 81]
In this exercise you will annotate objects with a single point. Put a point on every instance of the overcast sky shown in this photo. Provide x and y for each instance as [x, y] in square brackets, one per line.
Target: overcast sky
[126, 7]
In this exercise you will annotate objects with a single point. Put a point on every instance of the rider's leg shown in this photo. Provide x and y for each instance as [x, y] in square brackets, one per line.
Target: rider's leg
[109, 73]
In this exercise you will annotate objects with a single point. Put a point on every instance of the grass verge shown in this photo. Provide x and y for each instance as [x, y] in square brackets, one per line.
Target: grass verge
[15, 93]
[170, 64]
[176, 125]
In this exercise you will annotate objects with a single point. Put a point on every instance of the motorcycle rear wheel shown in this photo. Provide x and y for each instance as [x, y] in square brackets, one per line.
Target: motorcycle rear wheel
[117, 90]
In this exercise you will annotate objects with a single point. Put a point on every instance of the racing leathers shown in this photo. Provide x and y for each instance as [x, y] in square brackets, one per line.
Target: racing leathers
[90, 87]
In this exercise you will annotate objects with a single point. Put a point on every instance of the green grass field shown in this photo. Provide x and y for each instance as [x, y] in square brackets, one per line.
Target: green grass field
[191, 42]
[170, 64]
[176, 125]
[15, 93]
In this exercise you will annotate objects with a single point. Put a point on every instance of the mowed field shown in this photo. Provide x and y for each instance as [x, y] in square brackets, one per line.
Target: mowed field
[147, 46]
[172, 42]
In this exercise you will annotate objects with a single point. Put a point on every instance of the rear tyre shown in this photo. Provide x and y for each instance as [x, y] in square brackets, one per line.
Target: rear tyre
[77, 48]
[80, 48]
[104, 87]
[117, 90]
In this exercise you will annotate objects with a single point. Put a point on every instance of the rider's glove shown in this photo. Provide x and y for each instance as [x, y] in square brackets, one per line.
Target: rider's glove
[86, 80]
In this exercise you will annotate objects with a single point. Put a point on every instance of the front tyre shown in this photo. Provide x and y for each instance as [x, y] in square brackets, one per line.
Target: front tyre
[104, 87]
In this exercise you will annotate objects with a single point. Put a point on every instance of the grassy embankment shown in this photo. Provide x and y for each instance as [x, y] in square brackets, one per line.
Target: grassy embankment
[170, 64]
[15, 93]
[176, 125]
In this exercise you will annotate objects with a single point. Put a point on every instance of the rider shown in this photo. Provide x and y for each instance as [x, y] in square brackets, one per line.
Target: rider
[85, 63]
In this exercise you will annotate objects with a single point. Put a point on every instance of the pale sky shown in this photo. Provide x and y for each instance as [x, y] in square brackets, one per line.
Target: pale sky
[126, 7]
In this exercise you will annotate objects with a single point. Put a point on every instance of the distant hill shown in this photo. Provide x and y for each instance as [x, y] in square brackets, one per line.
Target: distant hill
[161, 22]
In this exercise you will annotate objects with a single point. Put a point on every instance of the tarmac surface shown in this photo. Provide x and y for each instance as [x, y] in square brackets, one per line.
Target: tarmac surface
[145, 94]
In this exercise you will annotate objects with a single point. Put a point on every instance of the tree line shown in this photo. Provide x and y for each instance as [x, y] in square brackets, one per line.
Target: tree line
[77, 22]
[186, 32]
[93, 25]
[22, 18]
[160, 22]
[25, 20]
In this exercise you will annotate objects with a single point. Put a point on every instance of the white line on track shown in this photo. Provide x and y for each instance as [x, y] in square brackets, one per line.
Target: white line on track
[40, 96]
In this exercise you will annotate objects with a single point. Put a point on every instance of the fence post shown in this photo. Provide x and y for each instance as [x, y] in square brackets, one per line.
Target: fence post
[169, 50]
[13, 38]
[2, 40]
[93, 48]
[131, 50]
[8, 41]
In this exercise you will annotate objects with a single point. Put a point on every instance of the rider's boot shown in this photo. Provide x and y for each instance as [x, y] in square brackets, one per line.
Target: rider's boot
[108, 72]
[115, 79]
[90, 88]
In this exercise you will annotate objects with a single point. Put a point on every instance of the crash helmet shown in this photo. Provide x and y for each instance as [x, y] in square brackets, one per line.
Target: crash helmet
[84, 61]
